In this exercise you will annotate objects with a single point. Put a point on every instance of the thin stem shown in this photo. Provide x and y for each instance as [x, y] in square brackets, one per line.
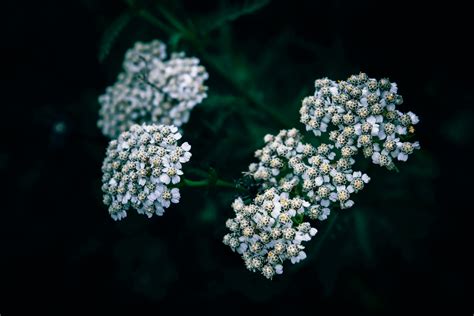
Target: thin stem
[195, 183]
[208, 183]
[225, 184]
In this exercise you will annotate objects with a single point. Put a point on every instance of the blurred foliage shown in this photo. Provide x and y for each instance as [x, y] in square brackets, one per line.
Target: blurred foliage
[262, 58]
[228, 13]
[112, 34]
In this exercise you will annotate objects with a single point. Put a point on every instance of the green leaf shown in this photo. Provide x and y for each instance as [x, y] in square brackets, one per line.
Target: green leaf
[213, 176]
[231, 13]
[174, 21]
[298, 219]
[174, 41]
[112, 33]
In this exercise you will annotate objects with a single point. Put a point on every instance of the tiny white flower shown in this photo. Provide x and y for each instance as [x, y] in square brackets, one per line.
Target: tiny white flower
[278, 269]
[165, 178]
[376, 158]
[348, 204]
[134, 178]
[173, 87]
[325, 203]
[414, 118]
[324, 214]
[242, 248]
[402, 156]
[175, 195]
[159, 210]
[365, 178]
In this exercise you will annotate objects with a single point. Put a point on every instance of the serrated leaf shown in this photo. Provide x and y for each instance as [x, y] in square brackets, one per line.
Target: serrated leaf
[229, 14]
[112, 33]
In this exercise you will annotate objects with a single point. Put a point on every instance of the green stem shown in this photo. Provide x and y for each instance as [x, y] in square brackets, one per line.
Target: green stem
[195, 183]
[208, 183]
[216, 66]
[224, 184]
[154, 21]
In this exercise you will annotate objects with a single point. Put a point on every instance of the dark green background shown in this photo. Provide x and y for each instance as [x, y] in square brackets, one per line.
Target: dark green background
[403, 247]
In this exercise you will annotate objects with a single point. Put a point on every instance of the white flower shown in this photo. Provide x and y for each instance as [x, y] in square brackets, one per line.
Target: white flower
[366, 106]
[278, 269]
[414, 118]
[139, 168]
[142, 55]
[171, 173]
[376, 158]
[152, 90]
[402, 156]
[116, 216]
[300, 180]
[301, 256]
[175, 195]
[324, 214]
[261, 238]
[185, 155]
[374, 130]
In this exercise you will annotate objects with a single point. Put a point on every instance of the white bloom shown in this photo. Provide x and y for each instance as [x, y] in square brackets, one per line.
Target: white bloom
[314, 181]
[171, 172]
[265, 239]
[278, 269]
[376, 158]
[152, 90]
[324, 214]
[138, 168]
[366, 105]
[414, 118]
[402, 156]
[301, 256]
[175, 195]
[186, 155]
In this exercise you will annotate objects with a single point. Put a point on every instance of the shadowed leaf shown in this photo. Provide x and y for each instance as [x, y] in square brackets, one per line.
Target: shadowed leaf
[112, 33]
[231, 13]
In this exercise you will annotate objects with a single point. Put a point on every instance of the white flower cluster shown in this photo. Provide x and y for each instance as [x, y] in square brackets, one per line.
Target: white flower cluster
[264, 233]
[140, 169]
[152, 90]
[321, 176]
[300, 180]
[361, 113]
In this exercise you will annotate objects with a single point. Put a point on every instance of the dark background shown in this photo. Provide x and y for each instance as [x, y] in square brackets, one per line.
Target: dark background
[404, 246]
